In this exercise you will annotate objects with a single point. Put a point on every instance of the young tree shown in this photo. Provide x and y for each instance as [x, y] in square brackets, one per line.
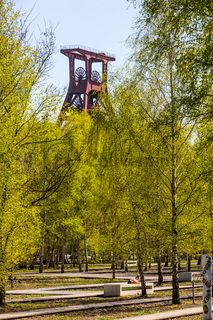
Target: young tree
[167, 55]
[21, 68]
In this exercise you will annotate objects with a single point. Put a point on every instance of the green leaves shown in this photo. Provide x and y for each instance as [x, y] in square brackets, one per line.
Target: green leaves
[22, 127]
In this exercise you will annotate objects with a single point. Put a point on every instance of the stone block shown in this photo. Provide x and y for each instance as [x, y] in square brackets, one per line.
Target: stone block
[189, 276]
[184, 276]
[112, 290]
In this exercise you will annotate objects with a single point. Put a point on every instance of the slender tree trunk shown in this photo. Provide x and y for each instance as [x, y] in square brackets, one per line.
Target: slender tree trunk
[139, 251]
[140, 267]
[175, 283]
[73, 254]
[122, 265]
[2, 290]
[85, 248]
[146, 255]
[166, 263]
[57, 259]
[150, 262]
[160, 273]
[189, 262]
[113, 264]
[146, 265]
[52, 259]
[211, 217]
[179, 264]
[2, 270]
[79, 256]
[126, 266]
[63, 256]
[49, 264]
[2, 277]
[41, 264]
[33, 262]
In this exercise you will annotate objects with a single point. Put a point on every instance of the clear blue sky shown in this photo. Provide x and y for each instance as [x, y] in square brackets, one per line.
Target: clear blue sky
[99, 24]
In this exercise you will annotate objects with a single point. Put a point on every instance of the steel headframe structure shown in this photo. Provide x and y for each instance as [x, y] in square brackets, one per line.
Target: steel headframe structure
[85, 82]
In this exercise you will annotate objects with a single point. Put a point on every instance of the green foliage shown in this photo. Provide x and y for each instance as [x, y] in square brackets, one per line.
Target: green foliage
[21, 127]
[135, 177]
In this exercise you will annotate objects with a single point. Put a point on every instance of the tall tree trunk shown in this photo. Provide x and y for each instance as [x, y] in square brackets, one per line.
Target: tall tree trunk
[179, 264]
[175, 283]
[139, 251]
[166, 262]
[150, 262]
[122, 264]
[2, 276]
[160, 273]
[33, 262]
[57, 259]
[211, 216]
[41, 264]
[146, 265]
[79, 256]
[2, 290]
[85, 248]
[126, 266]
[63, 256]
[140, 267]
[113, 264]
[189, 257]
[51, 263]
[73, 255]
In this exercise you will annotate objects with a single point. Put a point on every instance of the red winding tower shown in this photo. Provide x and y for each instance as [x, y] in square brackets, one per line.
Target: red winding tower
[88, 76]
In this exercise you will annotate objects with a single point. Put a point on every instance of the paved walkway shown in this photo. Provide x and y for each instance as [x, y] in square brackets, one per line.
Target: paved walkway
[68, 295]
[54, 290]
[169, 288]
[63, 293]
[64, 289]
[73, 291]
[91, 275]
[168, 314]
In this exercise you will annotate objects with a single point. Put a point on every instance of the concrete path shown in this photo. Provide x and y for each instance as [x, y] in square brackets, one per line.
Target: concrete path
[50, 292]
[68, 295]
[64, 290]
[79, 295]
[91, 275]
[169, 288]
[168, 314]
[54, 290]
[46, 311]
[63, 293]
